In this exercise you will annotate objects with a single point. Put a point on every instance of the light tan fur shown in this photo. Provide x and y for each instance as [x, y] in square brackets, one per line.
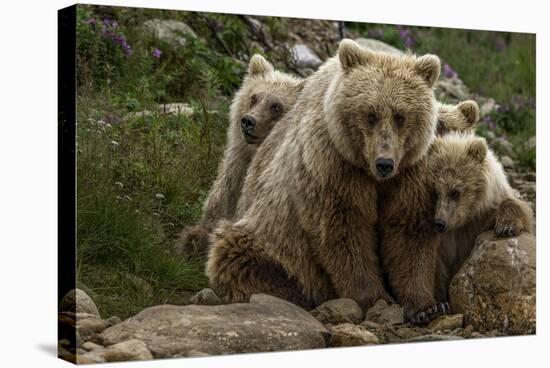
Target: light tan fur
[311, 206]
[265, 96]
[472, 195]
[462, 117]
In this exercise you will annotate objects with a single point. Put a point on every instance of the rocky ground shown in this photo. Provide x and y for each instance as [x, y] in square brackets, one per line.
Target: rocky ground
[493, 295]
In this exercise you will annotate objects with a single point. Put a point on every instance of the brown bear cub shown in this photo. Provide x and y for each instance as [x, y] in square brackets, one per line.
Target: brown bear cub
[457, 118]
[308, 233]
[264, 97]
[472, 195]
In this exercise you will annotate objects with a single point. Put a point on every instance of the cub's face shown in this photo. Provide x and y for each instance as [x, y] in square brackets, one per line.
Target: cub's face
[265, 96]
[457, 118]
[457, 173]
[381, 110]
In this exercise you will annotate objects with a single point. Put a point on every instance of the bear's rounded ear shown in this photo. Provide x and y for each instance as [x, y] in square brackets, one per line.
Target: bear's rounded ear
[470, 110]
[259, 65]
[428, 67]
[477, 149]
[351, 54]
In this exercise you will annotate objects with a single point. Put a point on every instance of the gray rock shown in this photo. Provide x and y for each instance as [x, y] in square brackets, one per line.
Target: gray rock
[453, 88]
[495, 288]
[90, 346]
[172, 31]
[265, 324]
[114, 320]
[385, 314]
[127, 350]
[338, 311]
[91, 357]
[433, 337]
[77, 301]
[196, 354]
[348, 334]
[507, 162]
[93, 324]
[206, 297]
[377, 46]
[450, 322]
[304, 58]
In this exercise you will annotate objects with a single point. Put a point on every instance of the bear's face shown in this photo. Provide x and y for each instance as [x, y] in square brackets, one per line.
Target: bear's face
[457, 164]
[457, 118]
[380, 109]
[265, 96]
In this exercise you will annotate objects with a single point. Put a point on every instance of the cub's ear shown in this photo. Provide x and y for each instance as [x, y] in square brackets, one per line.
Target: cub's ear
[351, 54]
[259, 65]
[477, 149]
[428, 67]
[470, 110]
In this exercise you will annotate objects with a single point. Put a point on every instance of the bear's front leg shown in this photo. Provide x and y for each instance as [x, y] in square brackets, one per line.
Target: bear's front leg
[513, 216]
[348, 254]
[410, 263]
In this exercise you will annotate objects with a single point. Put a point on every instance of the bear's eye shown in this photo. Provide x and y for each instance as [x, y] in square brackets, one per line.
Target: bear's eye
[454, 194]
[276, 108]
[399, 119]
[253, 100]
[372, 118]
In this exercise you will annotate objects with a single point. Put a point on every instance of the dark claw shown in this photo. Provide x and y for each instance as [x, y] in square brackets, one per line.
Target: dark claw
[429, 314]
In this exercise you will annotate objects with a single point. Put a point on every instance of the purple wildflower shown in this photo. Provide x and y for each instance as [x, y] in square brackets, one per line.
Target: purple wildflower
[449, 72]
[91, 22]
[157, 53]
[406, 36]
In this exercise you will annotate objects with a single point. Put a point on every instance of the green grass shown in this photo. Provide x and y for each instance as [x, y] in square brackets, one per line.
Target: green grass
[142, 178]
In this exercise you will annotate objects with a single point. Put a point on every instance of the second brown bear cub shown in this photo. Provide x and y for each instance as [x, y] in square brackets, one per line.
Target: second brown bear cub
[308, 232]
[264, 97]
[472, 195]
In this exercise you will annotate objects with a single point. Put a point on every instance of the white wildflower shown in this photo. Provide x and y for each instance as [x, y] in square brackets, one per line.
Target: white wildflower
[159, 196]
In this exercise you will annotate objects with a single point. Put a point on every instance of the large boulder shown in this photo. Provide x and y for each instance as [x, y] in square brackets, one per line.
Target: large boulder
[265, 324]
[495, 288]
[304, 59]
[377, 46]
[77, 301]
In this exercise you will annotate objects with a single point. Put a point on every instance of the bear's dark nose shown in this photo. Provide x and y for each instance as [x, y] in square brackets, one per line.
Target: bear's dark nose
[248, 123]
[440, 225]
[384, 166]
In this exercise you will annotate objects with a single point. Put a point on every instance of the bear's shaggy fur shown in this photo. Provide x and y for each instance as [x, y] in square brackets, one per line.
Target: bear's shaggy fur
[472, 195]
[264, 97]
[457, 118]
[402, 119]
[309, 216]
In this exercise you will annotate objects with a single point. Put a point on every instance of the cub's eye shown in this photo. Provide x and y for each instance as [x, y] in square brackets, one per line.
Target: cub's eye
[276, 108]
[372, 118]
[454, 194]
[399, 119]
[253, 100]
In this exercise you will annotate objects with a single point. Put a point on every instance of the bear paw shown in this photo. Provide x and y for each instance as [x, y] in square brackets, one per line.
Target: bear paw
[425, 316]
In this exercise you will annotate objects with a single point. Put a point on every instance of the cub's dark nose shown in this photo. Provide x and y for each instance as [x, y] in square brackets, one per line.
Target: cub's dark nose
[440, 225]
[384, 166]
[248, 123]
